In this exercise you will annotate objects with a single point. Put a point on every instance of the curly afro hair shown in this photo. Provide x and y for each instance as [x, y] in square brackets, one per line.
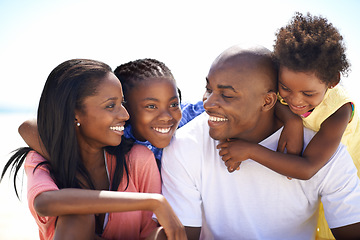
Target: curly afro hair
[311, 44]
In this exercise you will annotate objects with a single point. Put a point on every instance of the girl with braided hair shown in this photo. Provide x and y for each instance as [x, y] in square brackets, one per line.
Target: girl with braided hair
[95, 184]
[311, 56]
[153, 102]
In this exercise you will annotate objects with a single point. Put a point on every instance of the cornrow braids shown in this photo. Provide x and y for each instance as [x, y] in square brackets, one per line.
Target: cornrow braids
[133, 72]
[312, 44]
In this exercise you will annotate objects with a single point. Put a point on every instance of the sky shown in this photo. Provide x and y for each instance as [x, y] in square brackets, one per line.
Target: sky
[187, 35]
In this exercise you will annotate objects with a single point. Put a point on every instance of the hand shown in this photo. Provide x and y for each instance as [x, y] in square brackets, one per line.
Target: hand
[291, 138]
[168, 220]
[233, 152]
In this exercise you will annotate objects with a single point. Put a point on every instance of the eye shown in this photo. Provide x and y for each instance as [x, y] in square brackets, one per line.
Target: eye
[226, 97]
[284, 88]
[111, 105]
[308, 95]
[174, 105]
[208, 90]
[150, 106]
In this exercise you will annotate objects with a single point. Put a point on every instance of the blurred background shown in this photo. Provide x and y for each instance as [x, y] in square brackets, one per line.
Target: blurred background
[37, 35]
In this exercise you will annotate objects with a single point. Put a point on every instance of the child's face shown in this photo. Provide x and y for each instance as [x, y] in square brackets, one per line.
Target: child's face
[302, 91]
[154, 110]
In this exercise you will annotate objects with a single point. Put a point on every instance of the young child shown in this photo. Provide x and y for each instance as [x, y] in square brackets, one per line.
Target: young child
[152, 100]
[95, 183]
[311, 56]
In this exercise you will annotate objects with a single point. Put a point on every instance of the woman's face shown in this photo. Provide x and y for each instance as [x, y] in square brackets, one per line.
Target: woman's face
[302, 91]
[102, 117]
[154, 110]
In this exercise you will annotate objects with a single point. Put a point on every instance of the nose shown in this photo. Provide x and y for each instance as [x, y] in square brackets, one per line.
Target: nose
[165, 115]
[210, 101]
[296, 99]
[122, 113]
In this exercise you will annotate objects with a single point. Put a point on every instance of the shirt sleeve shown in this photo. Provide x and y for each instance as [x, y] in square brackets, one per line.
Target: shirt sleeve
[340, 193]
[190, 111]
[38, 181]
[180, 176]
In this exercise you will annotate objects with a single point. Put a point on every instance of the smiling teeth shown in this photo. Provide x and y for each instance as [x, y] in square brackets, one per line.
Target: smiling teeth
[117, 128]
[162, 130]
[217, 119]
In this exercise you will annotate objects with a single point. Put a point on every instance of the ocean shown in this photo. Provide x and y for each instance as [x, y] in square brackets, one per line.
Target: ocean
[16, 222]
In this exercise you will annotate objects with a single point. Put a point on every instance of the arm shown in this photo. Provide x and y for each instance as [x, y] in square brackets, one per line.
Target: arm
[347, 232]
[317, 153]
[193, 233]
[28, 131]
[81, 201]
[291, 137]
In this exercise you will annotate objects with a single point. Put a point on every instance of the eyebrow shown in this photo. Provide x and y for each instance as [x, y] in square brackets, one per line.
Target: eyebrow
[305, 91]
[226, 87]
[157, 100]
[110, 99]
[223, 86]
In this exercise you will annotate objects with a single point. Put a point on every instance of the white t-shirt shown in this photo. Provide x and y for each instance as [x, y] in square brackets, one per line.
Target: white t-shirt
[254, 202]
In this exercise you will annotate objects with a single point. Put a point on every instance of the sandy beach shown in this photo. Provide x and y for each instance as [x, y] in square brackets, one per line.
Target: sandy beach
[16, 221]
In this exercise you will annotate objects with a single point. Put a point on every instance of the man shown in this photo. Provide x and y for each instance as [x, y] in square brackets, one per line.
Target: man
[254, 202]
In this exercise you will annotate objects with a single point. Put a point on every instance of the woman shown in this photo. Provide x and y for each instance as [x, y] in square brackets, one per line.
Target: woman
[81, 121]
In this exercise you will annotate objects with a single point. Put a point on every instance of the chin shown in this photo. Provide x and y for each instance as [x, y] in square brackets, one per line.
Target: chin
[161, 144]
[214, 136]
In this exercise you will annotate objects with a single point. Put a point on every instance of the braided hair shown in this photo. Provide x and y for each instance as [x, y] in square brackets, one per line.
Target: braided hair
[312, 44]
[133, 72]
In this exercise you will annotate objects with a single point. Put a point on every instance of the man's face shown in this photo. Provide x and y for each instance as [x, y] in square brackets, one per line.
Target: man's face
[233, 101]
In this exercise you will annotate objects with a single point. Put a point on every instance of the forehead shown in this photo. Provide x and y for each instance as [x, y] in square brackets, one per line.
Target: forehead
[109, 83]
[154, 88]
[232, 75]
[299, 79]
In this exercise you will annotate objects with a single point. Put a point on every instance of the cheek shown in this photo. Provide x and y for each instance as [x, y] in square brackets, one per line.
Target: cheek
[283, 93]
[177, 115]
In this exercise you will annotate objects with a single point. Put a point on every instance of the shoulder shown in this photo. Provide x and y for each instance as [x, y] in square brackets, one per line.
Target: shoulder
[337, 97]
[197, 125]
[140, 153]
[189, 142]
[33, 159]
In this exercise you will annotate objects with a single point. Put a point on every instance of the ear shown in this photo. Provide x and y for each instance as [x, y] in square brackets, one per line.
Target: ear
[336, 82]
[77, 117]
[269, 101]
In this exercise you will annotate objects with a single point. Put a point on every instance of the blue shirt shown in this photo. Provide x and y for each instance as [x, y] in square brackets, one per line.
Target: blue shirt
[189, 112]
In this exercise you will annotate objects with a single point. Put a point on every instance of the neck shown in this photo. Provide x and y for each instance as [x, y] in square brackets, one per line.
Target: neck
[265, 126]
[92, 159]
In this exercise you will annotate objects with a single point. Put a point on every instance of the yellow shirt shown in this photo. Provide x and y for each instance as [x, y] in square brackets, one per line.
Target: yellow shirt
[333, 100]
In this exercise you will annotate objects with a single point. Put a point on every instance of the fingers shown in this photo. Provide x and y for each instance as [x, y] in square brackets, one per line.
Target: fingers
[222, 145]
[231, 167]
[223, 152]
[175, 234]
[281, 147]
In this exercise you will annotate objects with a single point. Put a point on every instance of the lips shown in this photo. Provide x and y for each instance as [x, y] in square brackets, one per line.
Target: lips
[217, 119]
[298, 109]
[117, 128]
[163, 130]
